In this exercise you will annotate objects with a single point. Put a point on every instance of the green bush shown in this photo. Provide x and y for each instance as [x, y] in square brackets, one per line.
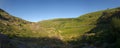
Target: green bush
[116, 23]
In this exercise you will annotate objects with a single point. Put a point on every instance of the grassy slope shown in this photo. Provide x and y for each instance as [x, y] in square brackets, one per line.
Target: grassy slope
[59, 31]
[70, 28]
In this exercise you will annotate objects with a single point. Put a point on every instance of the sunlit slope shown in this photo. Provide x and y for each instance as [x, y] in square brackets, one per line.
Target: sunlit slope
[69, 28]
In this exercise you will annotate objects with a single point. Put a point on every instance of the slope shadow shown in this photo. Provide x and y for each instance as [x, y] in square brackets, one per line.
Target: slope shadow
[42, 42]
[5, 42]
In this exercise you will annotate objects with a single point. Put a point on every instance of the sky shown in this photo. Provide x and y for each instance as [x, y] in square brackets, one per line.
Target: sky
[38, 10]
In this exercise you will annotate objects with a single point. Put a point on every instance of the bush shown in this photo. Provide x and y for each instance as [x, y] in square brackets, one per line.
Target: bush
[116, 23]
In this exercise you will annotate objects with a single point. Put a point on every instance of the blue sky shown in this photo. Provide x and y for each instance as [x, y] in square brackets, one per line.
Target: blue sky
[37, 10]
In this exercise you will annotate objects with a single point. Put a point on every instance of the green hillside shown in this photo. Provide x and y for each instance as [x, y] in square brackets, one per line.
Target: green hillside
[98, 29]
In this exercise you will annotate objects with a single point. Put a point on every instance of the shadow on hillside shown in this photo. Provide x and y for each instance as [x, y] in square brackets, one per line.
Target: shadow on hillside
[5, 42]
[42, 42]
[31, 42]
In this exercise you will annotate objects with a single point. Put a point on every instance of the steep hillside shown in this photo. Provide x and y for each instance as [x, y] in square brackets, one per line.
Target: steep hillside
[106, 32]
[10, 26]
[98, 29]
